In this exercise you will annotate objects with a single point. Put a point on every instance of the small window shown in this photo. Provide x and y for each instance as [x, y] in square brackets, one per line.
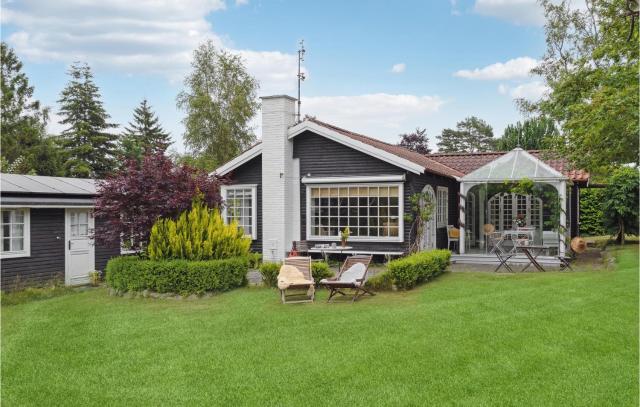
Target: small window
[442, 207]
[15, 233]
[241, 206]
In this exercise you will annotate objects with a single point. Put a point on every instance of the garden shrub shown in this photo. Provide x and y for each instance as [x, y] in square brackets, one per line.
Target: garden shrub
[197, 234]
[255, 259]
[269, 273]
[380, 282]
[320, 270]
[419, 267]
[591, 214]
[131, 273]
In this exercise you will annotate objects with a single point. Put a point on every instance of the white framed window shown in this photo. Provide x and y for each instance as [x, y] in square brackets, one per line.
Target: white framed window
[372, 212]
[15, 233]
[505, 207]
[240, 204]
[442, 206]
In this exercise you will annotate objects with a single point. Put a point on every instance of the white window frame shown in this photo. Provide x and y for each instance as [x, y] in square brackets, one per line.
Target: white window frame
[442, 206]
[399, 238]
[254, 205]
[500, 198]
[26, 252]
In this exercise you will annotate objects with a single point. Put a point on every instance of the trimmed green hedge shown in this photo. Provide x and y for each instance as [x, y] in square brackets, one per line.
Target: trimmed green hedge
[419, 267]
[130, 273]
[380, 282]
[320, 270]
[270, 273]
[591, 214]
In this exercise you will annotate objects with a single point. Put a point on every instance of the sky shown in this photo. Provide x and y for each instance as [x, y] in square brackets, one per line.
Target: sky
[381, 68]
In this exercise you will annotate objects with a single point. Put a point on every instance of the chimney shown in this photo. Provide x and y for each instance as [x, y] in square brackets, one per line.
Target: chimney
[280, 176]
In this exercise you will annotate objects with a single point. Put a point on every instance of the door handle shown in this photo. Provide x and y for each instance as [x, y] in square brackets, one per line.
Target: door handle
[69, 244]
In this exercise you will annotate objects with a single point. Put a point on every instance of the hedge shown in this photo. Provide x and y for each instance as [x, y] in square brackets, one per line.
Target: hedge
[131, 273]
[380, 282]
[419, 267]
[270, 271]
[591, 214]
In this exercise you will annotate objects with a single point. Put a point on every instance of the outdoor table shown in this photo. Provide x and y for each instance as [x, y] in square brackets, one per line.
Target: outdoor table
[326, 250]
[513, 234]
[532, 252]
[503, 257]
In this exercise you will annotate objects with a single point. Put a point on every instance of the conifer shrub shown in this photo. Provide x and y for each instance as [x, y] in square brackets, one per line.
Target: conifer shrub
[197, 234]
[270, 273]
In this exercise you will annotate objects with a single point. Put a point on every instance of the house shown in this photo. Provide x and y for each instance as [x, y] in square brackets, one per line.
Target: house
[309, 180]
[47, 226]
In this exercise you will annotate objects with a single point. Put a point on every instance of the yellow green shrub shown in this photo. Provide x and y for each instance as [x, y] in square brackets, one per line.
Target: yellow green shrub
[197, 234]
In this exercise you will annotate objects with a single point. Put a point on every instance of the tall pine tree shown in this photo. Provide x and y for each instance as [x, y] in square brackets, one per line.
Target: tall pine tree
[144, 135]
[471, 135]
[87, 140]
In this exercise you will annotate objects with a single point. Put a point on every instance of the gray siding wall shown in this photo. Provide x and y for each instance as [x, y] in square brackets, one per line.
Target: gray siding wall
[47, 252]
[251, 173]
[47, 260]
[321, 157]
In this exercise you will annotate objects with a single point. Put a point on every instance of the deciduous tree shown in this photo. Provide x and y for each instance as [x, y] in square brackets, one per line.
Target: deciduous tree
[620, 205]
[416, 141]
[220, 99]
[532, 134]
[130, 201]
[591, 67]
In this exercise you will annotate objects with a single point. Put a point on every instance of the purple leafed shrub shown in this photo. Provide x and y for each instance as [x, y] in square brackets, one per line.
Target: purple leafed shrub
[129, 202]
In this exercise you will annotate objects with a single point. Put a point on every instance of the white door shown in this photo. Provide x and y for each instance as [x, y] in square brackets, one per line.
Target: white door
[80, 251]
[428, 240]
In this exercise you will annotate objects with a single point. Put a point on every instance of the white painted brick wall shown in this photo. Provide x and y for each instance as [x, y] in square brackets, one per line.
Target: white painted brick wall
[278, 114]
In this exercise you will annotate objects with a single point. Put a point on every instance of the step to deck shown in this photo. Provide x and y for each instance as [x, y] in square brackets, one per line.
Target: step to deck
[489, 259]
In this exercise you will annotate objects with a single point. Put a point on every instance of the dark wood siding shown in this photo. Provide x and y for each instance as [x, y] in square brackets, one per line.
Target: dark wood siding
[47, 259]
[251, 173]
[104, 252]
[320, 157]
[47, 252]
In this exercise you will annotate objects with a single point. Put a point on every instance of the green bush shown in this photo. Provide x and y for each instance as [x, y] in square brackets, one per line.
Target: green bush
[380, 282]
[320, 270]
[591, 215]
[197, 234]
[269, 273]
[255, 259]
[131, 273]
[419, 267]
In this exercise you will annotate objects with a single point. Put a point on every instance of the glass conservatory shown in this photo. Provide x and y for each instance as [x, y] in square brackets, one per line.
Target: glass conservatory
[517, 194]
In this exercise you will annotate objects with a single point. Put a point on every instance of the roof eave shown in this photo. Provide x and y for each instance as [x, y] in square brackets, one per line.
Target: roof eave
[243, 158]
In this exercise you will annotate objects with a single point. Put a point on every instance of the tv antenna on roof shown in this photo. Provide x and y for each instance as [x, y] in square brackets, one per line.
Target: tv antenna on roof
[301, 76]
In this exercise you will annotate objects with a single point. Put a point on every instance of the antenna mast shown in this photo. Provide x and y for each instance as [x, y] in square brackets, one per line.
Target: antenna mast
[301, 76]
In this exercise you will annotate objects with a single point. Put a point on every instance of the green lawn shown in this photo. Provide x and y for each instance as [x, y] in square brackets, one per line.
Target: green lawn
[465, 339]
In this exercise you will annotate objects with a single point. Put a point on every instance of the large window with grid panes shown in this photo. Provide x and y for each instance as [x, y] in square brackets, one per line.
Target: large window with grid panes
[240, 205]
[372, 212]
[15, 233]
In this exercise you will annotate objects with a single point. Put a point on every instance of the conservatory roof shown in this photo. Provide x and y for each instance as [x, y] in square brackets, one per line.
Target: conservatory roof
[515, 165]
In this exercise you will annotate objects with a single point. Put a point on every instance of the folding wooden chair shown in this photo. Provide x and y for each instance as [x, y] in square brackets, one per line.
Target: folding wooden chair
[303, 264]
[352, 275]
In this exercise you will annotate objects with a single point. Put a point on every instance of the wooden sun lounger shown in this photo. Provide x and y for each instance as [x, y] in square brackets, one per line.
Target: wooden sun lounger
[335, 286]
[304, 265]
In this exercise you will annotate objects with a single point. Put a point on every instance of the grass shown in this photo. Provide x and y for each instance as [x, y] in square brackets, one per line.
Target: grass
[465, 339]
[35, 294]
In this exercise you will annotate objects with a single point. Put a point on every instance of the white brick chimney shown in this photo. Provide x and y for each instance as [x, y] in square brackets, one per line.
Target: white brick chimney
[280, 178]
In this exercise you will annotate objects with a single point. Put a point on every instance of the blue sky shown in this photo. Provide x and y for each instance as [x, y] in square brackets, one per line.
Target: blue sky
[377, 67]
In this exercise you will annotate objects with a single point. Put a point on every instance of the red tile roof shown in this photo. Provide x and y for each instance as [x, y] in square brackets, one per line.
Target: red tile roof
[468, 162]
[417, 158]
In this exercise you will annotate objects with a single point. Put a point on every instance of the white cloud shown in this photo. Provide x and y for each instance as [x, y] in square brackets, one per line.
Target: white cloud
[519, 12]
[399, 68]
[242, 2]
[133, 37]
[530, 90]
[379, 115]
[516, 68]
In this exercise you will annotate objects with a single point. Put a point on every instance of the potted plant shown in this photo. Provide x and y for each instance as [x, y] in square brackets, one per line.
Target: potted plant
[520, 221]
[344, 236]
